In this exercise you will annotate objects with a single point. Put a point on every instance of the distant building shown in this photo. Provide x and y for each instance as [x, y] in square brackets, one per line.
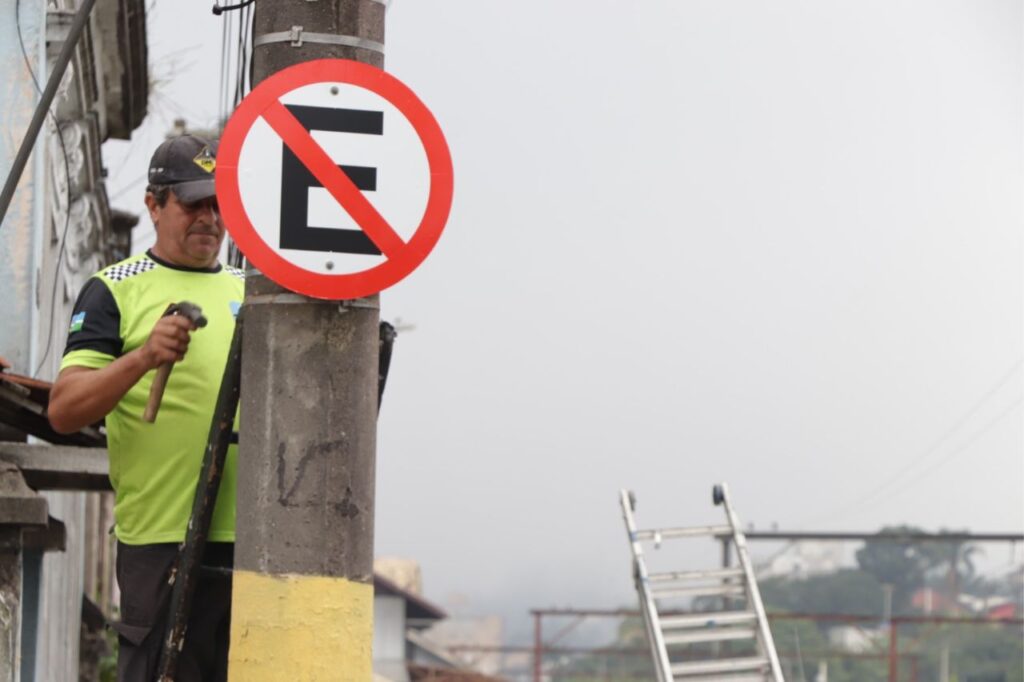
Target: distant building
[855, 639]
[405, 573]
[804, 559]
[1002, 611]
[475, 640]
[403, 649]
[928, 600]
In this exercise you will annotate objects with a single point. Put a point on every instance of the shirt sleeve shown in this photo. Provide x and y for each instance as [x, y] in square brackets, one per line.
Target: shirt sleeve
[94, 337]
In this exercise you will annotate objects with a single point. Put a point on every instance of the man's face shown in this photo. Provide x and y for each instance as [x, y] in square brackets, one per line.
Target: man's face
[186, 234]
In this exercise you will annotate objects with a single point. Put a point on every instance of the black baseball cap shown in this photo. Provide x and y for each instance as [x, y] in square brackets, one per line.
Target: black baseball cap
[186, 163]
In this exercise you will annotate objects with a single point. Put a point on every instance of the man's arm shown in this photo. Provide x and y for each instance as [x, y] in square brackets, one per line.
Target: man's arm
[82, 396]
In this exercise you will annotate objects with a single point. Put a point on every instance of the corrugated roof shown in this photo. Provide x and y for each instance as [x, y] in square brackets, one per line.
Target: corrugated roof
[417, 606]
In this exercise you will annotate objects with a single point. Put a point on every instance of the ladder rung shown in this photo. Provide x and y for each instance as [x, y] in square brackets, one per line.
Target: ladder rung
[709, 635]
[714, 574]
[726, 665]
[738, 677]
[669, 533]
[709, 619]
[668, 592]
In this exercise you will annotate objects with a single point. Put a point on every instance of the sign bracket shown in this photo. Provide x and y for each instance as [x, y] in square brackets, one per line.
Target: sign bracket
[298, 35]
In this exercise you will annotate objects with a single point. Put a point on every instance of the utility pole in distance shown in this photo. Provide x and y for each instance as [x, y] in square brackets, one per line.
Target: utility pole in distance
[303, 580]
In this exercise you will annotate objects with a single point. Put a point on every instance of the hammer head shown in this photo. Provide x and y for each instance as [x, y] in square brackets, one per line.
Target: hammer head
[189, 310]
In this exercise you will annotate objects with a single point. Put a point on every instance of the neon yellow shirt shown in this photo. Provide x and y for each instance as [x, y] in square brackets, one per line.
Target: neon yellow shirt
[154, 467]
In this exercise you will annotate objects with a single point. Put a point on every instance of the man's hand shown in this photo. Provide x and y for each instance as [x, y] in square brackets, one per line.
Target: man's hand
[83, 396]
[168, 342]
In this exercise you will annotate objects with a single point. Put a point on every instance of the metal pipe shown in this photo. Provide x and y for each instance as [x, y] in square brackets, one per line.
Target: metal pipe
[894, 659]
[538, 646]
[46, 99]
[774, 615]
[825, 536]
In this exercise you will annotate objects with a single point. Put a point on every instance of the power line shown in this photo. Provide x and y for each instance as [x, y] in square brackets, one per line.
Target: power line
[948, 458]
[222, 104]
[886, 485]
[235, 79]
[883, 536]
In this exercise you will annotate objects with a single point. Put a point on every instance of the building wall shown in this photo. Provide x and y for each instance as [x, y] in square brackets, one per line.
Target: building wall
[57, 233]
[19, 230]
[60, 605]
[388, 628]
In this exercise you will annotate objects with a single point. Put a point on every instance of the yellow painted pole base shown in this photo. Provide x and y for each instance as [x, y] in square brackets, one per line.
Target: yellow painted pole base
[300, 628]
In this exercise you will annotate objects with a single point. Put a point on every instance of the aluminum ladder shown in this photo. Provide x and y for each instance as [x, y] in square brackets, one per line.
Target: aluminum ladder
[687, 645]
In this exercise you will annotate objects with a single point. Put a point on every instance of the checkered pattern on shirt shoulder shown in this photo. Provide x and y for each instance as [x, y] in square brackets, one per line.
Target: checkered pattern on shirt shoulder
[123, 271]
[240, 274]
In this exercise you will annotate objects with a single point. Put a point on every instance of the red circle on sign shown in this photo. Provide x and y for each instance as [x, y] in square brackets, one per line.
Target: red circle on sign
[403, 258]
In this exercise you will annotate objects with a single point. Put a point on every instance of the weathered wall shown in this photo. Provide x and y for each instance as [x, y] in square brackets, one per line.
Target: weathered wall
[388, 628]
[61, 595]
[57, 233]
[10, 593]
[19, 228]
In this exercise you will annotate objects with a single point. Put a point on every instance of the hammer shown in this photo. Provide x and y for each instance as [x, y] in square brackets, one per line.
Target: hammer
[156, 392]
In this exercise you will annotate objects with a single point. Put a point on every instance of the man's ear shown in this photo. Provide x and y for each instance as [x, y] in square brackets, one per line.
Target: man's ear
[152, 207]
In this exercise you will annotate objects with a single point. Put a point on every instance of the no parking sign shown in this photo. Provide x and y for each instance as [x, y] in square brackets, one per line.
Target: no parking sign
[334, 179]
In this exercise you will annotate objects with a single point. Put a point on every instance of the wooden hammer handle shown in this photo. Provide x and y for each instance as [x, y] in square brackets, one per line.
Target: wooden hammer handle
[156, 392]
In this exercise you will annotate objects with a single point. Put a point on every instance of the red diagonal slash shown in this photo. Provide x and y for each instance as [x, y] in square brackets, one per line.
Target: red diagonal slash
[334, 180]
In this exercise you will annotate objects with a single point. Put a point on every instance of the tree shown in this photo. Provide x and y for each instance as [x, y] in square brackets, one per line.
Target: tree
[903, 565]
[849, 591]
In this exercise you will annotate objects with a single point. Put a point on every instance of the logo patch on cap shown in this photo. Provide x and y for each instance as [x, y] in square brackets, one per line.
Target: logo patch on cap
[205, 160]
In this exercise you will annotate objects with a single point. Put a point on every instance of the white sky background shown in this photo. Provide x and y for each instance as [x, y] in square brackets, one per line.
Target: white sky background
[776, 244]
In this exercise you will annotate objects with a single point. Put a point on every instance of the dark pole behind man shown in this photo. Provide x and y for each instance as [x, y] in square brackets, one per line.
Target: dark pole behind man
[118, 336]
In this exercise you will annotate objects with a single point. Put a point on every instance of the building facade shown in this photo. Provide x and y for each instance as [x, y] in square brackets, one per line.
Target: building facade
[58, 231]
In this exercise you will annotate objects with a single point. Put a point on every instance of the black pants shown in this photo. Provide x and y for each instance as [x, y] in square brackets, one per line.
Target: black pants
[142, 575]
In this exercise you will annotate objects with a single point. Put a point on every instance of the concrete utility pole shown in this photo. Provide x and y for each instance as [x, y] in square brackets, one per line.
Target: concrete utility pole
[303, 580]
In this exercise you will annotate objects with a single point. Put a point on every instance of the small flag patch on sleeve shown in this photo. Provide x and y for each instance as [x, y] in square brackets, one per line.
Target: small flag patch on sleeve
[76, 322]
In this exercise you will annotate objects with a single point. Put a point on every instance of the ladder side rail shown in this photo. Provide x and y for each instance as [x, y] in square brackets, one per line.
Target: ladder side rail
[754, 596]
[649, 611]
[661, 669]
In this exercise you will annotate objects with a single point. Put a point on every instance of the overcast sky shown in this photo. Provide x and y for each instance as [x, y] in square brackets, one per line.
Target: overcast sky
[775, 244]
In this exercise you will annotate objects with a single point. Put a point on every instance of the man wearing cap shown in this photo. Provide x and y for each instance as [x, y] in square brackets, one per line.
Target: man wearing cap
[118, 336]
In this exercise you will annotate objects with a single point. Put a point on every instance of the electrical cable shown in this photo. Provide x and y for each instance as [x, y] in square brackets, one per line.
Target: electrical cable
[222, 106]
[883, 488]
[971, 440]
[219, 9]
[247, 53]
[242, 82]
[239, 62]
[222, 113]
[67, 175]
